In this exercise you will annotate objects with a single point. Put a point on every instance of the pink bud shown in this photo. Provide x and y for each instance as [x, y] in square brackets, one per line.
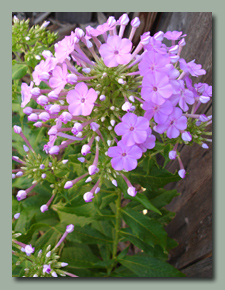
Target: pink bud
[33, 117]
[44, 208]
[42, 100]
[135, 22]
[21, 194]
[85, 149]
[131, 191]
[93, 169]
[17, 129]
[172, 155]
[124, 19]
[70, 228]
[38, 124]
[182, 173]
[88, 196]
[68, 184]
[27, 110]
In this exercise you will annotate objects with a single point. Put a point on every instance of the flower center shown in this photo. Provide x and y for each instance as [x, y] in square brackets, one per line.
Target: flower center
[82, 100]
[172, 122]
[124, 154]
[154, 89]
[131, 128]
[116, 52]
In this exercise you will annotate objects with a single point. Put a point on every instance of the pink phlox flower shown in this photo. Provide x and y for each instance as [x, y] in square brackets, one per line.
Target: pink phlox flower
[173, 125]
[153, 62]
[133, 129]
[43, 70]
[156, 88]
[156, 46]
[159, 112]
[100, 29]
[64, 47]
[116, 51]
[28, 250]
[204, 92]
[191, 67]
[59, 78]
[124, 157]
[26, 93]
[81, 100]
[149, 142]
[173, 35]
[184, 97]
[47, 269]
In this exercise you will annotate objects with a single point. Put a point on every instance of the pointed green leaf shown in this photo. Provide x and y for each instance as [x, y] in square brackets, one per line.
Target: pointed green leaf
[146, 266]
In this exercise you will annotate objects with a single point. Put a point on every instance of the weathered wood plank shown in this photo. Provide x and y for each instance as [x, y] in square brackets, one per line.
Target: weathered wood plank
[192, 226]
[201, 269]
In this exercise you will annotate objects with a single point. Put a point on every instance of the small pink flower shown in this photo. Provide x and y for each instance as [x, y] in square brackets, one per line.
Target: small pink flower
[81, 100]
[116, 51]
[59, 78]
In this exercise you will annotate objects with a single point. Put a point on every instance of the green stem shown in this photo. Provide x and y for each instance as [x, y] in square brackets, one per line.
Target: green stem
[117, 226]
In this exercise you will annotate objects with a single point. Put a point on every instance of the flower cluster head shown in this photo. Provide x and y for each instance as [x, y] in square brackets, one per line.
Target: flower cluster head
[114, 101]
[43, 263]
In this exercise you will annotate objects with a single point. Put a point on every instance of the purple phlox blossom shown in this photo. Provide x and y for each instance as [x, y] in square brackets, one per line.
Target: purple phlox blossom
[173, 35]
[184, 97]
[149, 143]
[156, 88]
[204, 92]
[47, 269]
[116, 51]
[43, 69]
[156, 45]
[159, 112]
[153, 62]
[64, 47]
[59, 78]
[81, 100]
[173, 125]
[28, 249]
[133, 129]
[186, 136]
[124, 157]
[26, 93]
[191, 67]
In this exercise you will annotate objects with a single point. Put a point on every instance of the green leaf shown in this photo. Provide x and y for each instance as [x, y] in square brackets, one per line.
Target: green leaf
[148, 230]
[162, 197]
[151, 176]
[18, 71]
[79, 257]
[146, 266]
[156, 251]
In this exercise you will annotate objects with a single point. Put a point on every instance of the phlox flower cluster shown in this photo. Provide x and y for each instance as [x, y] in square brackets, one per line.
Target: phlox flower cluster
[44, 263]
[115, 101]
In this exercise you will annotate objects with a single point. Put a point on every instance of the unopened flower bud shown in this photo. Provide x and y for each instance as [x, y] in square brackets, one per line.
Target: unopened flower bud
[21, 195]
[70, 228]
[19, 174]
[186, 136]
[44, 116]
[88, 196]
[131, 191]
[135, 22]
[102, 98]
[81, 159]
[182, 173]
[43, 208]
[25, 148]
[27, 110]
[93, 169]
[42, 100]
[68, 184]
[35, 91]
[71, 79]
[16, 216]
[88, 179]
[172, 155]
[114, 182]
[17, 129]
[53, 95]
[85, 149]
